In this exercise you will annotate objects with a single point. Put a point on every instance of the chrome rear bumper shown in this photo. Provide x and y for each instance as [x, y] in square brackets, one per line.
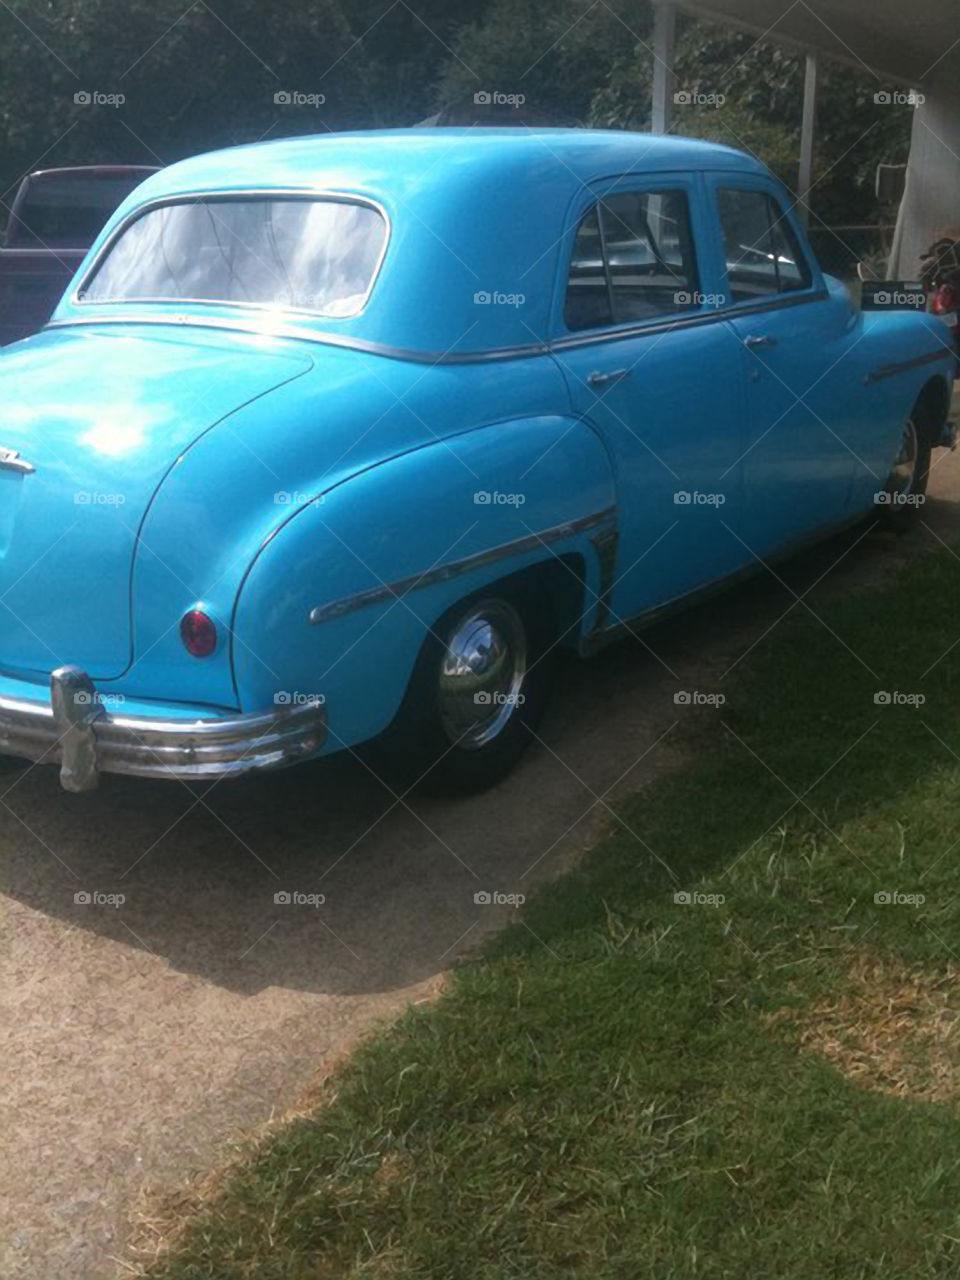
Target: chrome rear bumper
[75, 731]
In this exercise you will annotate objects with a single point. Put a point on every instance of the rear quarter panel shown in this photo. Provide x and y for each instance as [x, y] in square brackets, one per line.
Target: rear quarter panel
[398, 520]
[240, 481]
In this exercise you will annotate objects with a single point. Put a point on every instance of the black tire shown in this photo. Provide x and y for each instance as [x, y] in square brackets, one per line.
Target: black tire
[907, 485]
[423, 745]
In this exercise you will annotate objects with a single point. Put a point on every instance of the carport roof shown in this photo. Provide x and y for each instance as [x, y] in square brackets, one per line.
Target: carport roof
[901, 41]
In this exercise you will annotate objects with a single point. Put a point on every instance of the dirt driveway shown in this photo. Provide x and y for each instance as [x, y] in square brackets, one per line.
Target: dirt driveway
[140, 1038]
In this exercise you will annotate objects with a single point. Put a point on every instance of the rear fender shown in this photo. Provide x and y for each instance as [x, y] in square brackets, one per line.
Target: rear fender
[338, 603]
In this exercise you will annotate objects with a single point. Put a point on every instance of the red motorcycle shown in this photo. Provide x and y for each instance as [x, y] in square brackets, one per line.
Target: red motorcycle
[940, 272]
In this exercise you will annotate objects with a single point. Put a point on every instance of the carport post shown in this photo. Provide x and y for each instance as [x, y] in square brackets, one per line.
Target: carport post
[806, 138]
[664, 79]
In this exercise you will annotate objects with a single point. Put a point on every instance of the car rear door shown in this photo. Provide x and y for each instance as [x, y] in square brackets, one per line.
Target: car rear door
[652, 367]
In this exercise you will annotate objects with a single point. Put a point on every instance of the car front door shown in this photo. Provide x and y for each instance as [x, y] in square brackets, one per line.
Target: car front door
[803, 377]
[654, 369]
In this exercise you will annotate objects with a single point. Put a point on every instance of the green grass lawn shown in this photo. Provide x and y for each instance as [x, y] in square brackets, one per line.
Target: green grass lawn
[627, 1086]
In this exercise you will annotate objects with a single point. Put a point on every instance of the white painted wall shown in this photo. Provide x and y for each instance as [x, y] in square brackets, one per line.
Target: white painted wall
[931, 203]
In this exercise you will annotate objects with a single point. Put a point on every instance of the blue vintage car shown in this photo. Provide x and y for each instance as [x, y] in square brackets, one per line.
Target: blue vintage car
[339, 439]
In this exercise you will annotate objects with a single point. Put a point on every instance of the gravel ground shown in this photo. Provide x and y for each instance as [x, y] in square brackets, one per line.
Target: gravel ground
[140, 1039]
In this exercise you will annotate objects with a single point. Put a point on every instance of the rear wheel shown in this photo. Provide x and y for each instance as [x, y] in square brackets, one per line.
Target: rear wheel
[907, 484]
[477, 692]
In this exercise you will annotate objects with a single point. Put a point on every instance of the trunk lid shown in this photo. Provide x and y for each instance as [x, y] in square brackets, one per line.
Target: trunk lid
[100, 415]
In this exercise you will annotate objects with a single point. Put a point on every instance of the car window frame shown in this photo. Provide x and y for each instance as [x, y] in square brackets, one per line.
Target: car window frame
[225, 195]
[743, 181]
[688, 182]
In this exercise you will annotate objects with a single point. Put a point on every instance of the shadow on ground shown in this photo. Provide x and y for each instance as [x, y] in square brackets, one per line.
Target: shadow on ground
[199, 870]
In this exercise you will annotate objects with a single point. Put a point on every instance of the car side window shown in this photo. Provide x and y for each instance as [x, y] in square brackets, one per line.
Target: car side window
[588, 297]
[763, 255]
[633, 259]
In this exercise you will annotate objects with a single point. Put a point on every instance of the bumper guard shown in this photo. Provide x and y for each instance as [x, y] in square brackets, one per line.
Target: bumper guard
[75, 731]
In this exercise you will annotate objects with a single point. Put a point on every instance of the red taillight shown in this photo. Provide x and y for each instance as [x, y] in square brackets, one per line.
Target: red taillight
[198, 633]
[945, 300]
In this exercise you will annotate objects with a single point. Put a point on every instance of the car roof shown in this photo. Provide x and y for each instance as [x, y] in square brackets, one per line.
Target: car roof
[94, 170]
[478, 219]
[453, 153]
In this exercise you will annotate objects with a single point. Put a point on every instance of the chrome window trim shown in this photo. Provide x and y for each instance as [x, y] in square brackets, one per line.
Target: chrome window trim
[455, 568]
[763, 187]
[664, 325]
[679, 186]
[792, 298]
[226, 194]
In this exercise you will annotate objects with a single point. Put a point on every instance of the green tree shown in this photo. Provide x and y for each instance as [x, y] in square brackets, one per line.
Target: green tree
[557, 57]
[207, 77]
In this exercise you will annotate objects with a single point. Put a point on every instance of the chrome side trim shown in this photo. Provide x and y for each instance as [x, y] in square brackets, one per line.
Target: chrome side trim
[904, 366]
[443, 573]
[320, 337]
[522, 352]
[599, 639]
[223, 195]
[606, 543]
[75, 731]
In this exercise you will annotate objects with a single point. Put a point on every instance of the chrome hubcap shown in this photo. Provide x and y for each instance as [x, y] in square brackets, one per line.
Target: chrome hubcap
[482, 673]
[905, 468]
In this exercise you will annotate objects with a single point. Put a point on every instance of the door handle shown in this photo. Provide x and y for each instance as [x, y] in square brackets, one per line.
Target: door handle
[598, 379]
[759, 340]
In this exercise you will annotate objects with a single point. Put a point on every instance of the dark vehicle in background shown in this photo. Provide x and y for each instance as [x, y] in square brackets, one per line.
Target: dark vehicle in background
[55, 217]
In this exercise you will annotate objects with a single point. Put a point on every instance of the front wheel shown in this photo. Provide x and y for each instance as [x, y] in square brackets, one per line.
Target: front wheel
[477, 691]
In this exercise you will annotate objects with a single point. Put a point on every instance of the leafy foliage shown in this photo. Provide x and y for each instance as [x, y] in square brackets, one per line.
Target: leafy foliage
[207, 77]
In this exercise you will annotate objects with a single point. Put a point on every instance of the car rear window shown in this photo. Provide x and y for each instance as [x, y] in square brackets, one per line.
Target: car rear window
[633, 259]
[285, 252]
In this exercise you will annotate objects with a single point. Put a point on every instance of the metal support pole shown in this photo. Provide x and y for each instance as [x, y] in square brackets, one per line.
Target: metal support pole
[807, 131]
[664, 79]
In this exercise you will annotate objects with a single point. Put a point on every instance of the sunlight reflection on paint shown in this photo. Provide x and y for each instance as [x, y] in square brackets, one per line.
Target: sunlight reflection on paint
[118, 430]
